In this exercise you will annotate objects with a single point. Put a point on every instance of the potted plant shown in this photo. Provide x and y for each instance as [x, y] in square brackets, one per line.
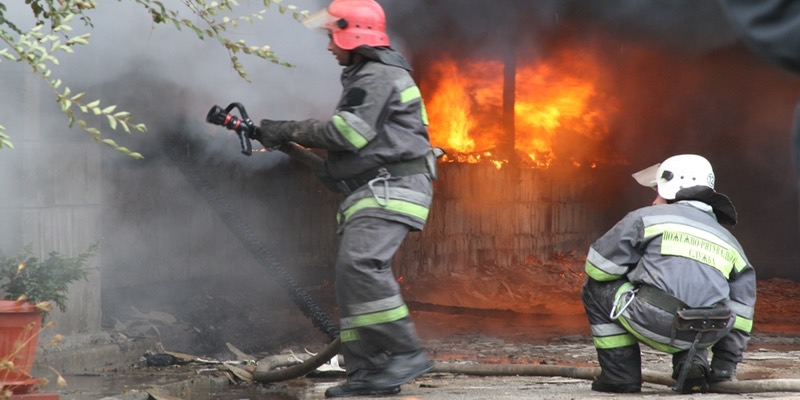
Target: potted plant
[28, 288]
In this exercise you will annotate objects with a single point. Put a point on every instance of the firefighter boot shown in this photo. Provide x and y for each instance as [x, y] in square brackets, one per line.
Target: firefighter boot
[696, 378]
[621, 370]
[402, 368]
[360, 383]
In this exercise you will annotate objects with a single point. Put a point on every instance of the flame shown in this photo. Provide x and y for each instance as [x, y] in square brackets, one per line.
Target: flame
[559, 112]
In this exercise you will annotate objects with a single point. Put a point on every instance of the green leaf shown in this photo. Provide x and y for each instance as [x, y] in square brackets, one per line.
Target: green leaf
[112, 122]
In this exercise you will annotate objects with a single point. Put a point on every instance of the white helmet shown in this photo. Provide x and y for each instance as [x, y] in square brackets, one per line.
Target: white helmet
[676, 173]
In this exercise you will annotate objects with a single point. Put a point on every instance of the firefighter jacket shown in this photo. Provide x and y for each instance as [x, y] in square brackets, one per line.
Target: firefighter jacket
[379, 121]
[681, 249]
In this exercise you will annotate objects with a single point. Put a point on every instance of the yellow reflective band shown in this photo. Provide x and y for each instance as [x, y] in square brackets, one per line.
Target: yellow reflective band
[349, 335]
[409, 94]
[698, 245]
[380, 317]
[424, 112]
[598, 274]
[399, 206]
[613, 342]
[743, 324]
[351, 135]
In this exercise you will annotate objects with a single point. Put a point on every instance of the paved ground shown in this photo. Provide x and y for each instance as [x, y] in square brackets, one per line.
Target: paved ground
[485, 338]
[771, 356]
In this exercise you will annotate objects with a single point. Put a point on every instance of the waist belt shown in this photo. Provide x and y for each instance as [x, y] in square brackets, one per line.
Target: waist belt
[660, 299]
[402, 168]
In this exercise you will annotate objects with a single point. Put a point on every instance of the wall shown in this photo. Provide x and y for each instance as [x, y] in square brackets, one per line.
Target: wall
[51, 196]
[487, 216]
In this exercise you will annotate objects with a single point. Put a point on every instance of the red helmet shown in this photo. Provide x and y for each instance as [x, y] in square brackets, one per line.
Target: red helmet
[354, 23]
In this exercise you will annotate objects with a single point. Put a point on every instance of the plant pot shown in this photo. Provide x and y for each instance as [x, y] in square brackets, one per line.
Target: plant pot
[20, 323]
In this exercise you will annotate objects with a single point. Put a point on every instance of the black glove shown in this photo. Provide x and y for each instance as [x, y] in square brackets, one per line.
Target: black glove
[270, 134]
[722, 370]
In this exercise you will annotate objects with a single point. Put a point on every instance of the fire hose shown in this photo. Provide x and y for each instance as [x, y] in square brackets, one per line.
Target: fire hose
[589, 373]
[237, 225]
[244, 128]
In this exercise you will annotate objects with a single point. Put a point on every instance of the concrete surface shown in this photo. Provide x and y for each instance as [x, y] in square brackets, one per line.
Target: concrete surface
[769, 357]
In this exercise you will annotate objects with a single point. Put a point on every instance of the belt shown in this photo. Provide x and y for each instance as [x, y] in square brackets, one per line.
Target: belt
[660, 299]
[402, 168]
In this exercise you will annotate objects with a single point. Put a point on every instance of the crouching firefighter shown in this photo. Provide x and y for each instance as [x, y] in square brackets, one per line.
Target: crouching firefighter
[379, 156]
[671, 277]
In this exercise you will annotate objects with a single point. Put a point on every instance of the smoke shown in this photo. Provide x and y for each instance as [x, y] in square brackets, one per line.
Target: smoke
[479, 27]
[155, 226]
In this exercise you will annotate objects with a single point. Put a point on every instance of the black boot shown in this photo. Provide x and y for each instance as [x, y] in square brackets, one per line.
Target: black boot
[402, 368]
[600, 386]
[696, 380]
[621, 370]
[349, 389]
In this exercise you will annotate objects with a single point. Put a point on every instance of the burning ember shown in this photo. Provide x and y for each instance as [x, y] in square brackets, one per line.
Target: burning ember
[560, 112]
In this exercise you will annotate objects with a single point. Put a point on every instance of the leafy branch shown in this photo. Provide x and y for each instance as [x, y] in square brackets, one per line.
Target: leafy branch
[52, 33]
[214, 15]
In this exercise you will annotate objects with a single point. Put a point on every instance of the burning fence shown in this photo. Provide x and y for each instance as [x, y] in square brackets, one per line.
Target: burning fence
[535, 114]
[529, 171]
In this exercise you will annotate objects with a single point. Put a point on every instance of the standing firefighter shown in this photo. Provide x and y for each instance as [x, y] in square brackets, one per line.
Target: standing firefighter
[380, 157]
[670, 276]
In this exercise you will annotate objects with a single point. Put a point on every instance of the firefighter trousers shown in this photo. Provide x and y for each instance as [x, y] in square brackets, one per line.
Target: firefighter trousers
[375, 322]
[618, 351]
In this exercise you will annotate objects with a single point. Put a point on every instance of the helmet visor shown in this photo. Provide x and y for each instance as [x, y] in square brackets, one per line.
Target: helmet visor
[648, 176]
[321, 21]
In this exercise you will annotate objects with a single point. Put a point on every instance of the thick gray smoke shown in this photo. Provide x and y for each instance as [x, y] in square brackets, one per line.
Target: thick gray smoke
[155, 226]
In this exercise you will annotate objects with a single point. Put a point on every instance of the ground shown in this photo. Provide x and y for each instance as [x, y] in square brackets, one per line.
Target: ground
[529, 315]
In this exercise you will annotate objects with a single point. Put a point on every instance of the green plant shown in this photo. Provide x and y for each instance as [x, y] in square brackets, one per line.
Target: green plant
[52, 36]
[29, 278]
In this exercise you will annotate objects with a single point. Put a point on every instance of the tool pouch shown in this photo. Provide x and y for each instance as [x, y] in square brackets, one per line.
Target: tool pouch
[699, 320]
[705, 319]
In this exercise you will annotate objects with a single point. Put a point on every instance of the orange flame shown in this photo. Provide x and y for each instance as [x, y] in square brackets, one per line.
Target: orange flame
[559, 112]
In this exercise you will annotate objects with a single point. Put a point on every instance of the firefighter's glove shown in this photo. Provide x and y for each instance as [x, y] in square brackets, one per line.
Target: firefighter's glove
[277, 132]
[722, 370]
[271, 133]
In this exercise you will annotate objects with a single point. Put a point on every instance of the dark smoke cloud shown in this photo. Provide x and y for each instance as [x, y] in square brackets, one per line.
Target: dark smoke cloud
[476, 26]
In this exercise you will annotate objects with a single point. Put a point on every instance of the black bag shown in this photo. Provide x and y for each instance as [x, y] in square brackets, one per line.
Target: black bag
[704, 319]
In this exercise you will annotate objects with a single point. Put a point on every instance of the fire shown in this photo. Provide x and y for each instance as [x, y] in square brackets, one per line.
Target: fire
[559, 111]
